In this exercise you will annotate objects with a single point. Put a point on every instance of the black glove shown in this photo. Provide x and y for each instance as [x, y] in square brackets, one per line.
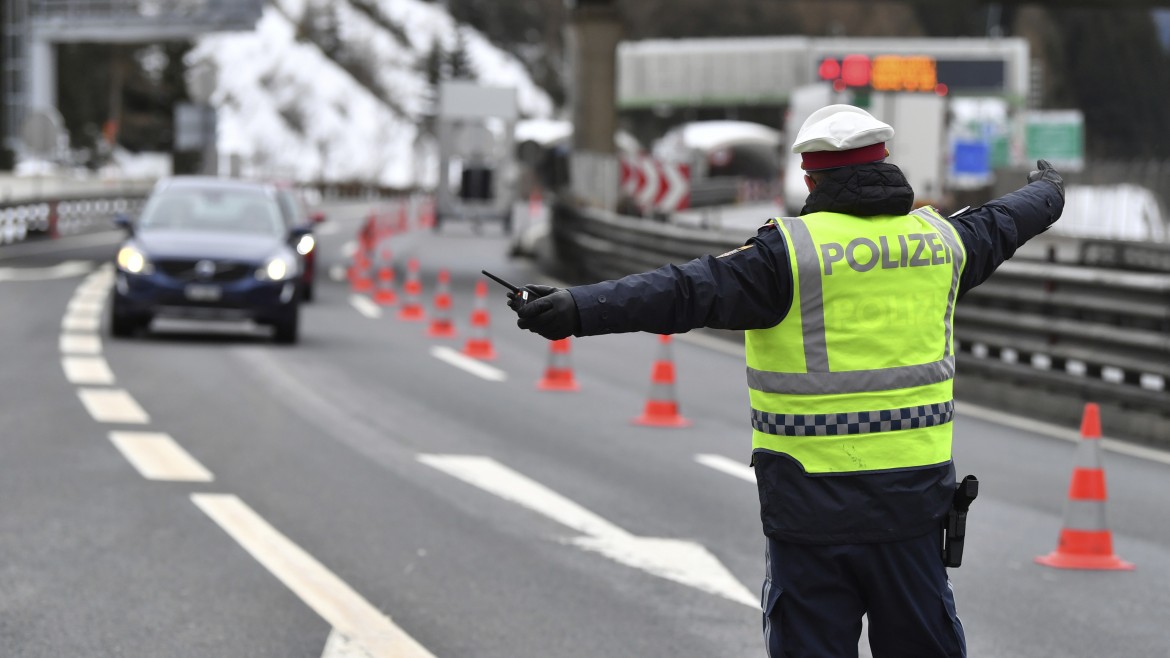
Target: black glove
[535, 291]
[552, 314]
[1044, 171]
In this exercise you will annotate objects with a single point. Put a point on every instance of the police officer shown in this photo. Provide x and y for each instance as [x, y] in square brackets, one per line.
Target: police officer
[850, 360]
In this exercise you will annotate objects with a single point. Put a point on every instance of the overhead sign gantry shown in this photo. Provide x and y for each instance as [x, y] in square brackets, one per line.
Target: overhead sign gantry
[32, 28]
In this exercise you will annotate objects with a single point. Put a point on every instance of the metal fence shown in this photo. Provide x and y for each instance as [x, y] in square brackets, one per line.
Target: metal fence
[113, 9]
[1039, 338]
[71, 215]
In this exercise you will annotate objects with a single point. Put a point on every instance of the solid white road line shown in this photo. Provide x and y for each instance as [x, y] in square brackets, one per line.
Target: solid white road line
[728, 466]
[156, 456]
[684, 562]
[495, 478]
[87, 370]
[329, 596]
[64, 270]
[112, 406]
[365, 306]
[81, 322]
[80, 344]
[464, 362]
[340, 646]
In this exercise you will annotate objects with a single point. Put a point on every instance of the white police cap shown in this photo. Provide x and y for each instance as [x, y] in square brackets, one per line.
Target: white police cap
[841, 135]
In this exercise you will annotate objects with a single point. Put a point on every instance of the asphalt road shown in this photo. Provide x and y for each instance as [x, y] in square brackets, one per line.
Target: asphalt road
[200, 491]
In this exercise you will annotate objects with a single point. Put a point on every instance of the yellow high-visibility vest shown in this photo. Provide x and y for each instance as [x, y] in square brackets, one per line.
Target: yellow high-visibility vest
[858, 376]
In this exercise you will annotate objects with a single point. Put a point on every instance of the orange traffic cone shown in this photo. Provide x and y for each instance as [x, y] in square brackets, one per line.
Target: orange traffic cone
[535, 205]
[426, 213]
[662, 408]
[558, 376]
[1085, 540]
[479, 344]
[441, 325]
[412, 309]
[385, 294]
[359, 273]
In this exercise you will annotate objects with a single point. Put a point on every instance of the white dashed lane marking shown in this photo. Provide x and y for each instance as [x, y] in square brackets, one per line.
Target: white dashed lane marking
[158, 457]
[468, 364]
[88, 304]
[112, 406]
[80, 344]
[81, 322]
[330, 597]
[89, 370]
[728, 466]
[365, 306]
[681, 561]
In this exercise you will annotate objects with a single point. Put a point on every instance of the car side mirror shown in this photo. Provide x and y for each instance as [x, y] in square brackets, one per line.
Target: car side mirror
[317, 217]
[122, 221]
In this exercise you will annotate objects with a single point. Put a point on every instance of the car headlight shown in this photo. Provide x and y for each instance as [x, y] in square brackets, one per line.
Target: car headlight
[131, 259]
[305, 245]
[277, 269]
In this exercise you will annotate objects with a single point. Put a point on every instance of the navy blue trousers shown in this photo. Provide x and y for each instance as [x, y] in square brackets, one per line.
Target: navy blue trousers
[815, 595]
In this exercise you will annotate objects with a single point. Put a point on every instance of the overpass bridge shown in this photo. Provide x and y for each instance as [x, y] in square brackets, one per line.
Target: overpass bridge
[32, 29]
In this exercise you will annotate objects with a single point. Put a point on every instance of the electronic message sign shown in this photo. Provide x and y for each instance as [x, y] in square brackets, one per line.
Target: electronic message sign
[912, 73]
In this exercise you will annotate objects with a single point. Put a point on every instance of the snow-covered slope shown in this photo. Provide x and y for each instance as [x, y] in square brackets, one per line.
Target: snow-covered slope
[288, 110]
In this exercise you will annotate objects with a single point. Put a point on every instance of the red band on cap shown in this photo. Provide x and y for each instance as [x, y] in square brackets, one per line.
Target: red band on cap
[831, 159]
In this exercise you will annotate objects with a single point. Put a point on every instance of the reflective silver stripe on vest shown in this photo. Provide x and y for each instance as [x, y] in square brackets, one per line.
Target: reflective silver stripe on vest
[818, 380]
[812, 308]
[957, 254]
[851, 381]
[860, 422]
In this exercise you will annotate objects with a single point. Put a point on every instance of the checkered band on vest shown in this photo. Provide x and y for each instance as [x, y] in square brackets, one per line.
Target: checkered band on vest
[859, 422]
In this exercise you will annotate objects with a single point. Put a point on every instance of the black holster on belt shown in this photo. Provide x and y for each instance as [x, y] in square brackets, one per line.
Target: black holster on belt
[955, 529]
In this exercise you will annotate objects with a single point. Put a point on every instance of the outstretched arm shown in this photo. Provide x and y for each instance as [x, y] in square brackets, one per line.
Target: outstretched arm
[748, 288]
[992, 232]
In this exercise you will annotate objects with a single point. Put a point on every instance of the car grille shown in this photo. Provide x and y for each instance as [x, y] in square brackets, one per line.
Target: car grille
[184, 270]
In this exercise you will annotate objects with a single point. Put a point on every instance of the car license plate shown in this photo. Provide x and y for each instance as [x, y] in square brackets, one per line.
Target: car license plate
[199, 292]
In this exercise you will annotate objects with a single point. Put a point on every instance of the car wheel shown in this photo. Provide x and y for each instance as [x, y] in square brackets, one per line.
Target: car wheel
[285, 329]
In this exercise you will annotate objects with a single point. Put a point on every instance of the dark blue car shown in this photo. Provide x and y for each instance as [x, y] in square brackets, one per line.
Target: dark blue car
[209, 248]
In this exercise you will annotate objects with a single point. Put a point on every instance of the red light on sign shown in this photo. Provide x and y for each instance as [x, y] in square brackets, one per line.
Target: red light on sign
[829, 69]
[941, 89]
[855, 71]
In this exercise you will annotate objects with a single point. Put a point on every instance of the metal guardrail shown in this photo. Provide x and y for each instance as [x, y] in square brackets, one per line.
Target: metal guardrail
[84, 212]
[1038, 338]
[65, 215]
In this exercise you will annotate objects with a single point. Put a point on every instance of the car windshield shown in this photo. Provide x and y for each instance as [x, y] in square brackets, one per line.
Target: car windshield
[220, 210]
[294, 211]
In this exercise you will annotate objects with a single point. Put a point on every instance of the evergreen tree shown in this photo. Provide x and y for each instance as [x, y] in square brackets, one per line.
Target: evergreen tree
[459, 65]
[432, 68]
[1111, 65]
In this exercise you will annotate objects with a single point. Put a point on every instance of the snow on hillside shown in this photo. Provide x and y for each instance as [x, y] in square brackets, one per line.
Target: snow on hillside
[287, 110]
